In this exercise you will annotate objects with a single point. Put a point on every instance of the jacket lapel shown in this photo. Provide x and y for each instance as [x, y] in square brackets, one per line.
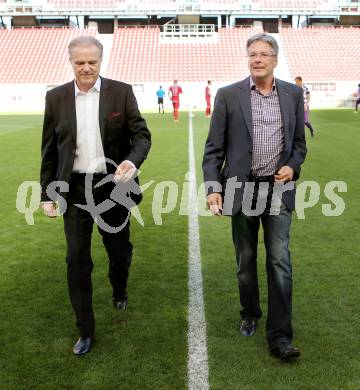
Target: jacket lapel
[285, 107]
[105, 92]
[70, 108]
[245, 103]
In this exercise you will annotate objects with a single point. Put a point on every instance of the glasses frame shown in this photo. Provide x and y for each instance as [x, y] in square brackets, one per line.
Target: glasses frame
[261, 55]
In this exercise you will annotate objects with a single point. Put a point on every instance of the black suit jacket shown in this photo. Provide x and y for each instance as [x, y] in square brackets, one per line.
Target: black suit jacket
[228, 149]
[124, 132]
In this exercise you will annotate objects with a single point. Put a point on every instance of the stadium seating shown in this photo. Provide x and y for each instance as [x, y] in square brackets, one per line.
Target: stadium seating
[36, 55]
[322, 53]
[139, 55]
[156, 2]
[221, 1]
[288, 4]
[39, 55]
[105, 4]
[84, 4]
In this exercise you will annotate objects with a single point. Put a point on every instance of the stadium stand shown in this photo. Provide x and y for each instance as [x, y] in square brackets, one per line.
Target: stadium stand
[83, 4]
[156, 2]
[104, 4]
[139, 55]
[221, 1]
[275, 4]
[322, 53]
[36, 55]
[287, 4]
[192, 41]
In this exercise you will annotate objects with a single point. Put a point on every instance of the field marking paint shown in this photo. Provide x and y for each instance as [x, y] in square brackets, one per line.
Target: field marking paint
[198, 376]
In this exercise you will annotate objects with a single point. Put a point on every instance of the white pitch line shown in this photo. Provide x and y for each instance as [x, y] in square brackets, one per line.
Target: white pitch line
[198, 376]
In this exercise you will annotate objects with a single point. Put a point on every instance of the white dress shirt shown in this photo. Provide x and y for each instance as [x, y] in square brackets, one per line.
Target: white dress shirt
[88, 140]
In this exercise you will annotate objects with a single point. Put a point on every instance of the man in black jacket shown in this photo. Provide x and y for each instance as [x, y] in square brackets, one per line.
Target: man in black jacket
[92, 119]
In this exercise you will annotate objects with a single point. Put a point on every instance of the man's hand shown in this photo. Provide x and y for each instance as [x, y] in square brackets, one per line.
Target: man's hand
[125, 171]
[49, 209]
[214, 202]
[284, 174]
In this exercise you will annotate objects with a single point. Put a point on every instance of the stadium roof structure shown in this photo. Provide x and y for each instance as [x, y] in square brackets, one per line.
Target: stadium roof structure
[141, 8]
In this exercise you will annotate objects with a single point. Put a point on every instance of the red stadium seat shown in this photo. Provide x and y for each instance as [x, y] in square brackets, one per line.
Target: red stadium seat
[139, 54]
[309, 53]
[36, 55]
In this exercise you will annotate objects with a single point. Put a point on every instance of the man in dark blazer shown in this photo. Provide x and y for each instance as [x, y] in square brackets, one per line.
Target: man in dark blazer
[92, 119]
[256, 141]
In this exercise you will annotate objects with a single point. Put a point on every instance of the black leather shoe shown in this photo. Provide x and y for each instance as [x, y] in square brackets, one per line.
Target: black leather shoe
[248, 327]
[285, 351]
[83, 345]
[120, 304]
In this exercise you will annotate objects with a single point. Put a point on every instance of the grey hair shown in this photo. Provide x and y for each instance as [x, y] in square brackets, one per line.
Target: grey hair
[263, 38]
[85, 40]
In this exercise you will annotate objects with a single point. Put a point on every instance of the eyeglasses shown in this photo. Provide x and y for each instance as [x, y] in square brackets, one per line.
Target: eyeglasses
[262, 55]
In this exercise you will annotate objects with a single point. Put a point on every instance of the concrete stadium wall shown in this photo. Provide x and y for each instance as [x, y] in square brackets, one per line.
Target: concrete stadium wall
[31, 97]
[332, 94]
[22, 97]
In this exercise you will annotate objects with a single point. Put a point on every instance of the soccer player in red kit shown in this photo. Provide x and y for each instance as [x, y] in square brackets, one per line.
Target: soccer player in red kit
[208, 99]
[174, 95]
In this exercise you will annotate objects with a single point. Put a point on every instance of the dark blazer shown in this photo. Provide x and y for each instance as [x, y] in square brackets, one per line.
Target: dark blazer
[124, 133]
[228, 149]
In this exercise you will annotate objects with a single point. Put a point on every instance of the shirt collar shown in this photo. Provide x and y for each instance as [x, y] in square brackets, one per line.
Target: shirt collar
[96, 88]
[253, 85]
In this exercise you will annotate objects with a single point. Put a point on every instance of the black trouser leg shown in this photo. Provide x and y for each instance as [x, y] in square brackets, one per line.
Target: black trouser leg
[116, 238]
[78, 226]
[119, 250]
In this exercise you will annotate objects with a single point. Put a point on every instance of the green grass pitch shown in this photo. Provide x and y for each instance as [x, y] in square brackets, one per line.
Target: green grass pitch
[146, 346]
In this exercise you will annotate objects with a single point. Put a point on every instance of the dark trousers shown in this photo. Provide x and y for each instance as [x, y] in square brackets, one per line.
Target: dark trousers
[278, 266]
[78, 226]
